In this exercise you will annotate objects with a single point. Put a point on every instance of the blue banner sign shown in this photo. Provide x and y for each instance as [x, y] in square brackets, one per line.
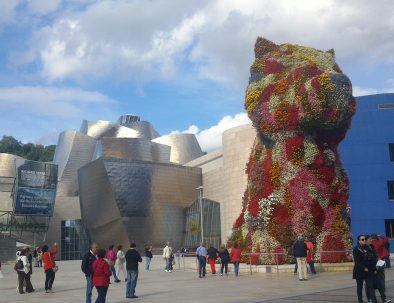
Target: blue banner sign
[35, 188]
[34, 201]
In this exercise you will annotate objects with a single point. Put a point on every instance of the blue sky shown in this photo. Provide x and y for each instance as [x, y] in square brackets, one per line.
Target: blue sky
[182, 65]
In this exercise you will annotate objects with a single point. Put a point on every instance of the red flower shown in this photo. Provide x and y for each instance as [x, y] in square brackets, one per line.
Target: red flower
[271, 66]
[317, 214]
[240, 220]
[315, 84]
[280, 215]
[333, 243]
[326, 173]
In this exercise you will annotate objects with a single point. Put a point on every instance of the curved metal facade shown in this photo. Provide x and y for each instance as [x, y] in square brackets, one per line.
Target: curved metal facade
[7, 165]
[99, 129]
[73, 151]
[132, 149]
[145, 128]
[137, 201]
[184, 147]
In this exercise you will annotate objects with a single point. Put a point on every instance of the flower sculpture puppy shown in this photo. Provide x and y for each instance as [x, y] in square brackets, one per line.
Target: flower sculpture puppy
[301, 105]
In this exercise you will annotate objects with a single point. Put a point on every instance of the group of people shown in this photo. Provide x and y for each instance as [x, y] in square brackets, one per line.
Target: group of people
[302, 250]
[98, 266]
[212, 254]
[371, 256]
[24, 268]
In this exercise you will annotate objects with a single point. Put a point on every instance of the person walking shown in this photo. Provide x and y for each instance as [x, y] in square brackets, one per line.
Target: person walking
[309, 255]
[224, 259]
[212, 257]
[167, 252]
[380, 245]
[378, 277]
[363, 270]
[50, 266]
[87, 269]
[101, 274]
[39, 254]
[29, 286]
[23, 271]
[235, 257]
[148, 256]
[35, 257]
[300, 252]
[111, 258]
[201, 254]
[121, 262]
[133, 257]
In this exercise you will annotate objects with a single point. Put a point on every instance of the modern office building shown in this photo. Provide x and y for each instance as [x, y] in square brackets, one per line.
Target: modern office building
[367, 153]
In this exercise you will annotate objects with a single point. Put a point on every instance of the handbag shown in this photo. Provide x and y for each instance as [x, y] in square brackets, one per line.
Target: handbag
[55, 268]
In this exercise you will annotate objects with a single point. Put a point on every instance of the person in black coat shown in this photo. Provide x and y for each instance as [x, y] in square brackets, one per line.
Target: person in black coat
[212, 256]
[299, 252]
[364, 269]
[224, 259]
[86, 267]
[133, 257]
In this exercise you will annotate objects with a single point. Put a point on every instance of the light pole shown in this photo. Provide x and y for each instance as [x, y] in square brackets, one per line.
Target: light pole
[200, 188]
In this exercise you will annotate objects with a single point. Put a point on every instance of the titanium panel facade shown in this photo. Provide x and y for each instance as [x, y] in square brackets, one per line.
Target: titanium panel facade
[99, 129]
[137, 201]
[132, 149]
[7, 165]
[73, 151]
[184, 147]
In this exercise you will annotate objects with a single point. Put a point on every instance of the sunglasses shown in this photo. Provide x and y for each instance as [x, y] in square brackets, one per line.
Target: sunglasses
[362, 239]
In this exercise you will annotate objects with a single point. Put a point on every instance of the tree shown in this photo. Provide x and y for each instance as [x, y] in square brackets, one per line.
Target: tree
[29, 151]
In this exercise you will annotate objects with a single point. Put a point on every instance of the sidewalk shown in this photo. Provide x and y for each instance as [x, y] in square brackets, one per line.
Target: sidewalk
[184, 286]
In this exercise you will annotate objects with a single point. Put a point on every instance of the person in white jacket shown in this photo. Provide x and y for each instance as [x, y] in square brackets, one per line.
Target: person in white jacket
[23, 274]
[167, 252]
[121, 262]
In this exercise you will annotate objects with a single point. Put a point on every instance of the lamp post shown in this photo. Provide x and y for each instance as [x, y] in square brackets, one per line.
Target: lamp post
[200, 188]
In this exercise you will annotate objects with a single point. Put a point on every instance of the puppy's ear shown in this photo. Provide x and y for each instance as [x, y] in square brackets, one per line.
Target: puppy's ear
[264, 46]
[332, 52]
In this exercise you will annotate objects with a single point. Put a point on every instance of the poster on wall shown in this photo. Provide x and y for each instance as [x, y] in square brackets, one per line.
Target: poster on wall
[35, 188]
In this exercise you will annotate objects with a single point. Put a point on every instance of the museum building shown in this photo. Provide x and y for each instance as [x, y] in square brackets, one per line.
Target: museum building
[122, 182]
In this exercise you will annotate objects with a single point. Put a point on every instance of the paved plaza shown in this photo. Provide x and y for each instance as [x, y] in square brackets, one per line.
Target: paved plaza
[184, 286]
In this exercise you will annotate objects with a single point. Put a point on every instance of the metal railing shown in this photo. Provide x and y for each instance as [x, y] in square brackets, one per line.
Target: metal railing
[253, 259]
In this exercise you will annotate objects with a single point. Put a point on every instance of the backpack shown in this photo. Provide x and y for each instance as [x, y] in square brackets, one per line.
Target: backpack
[18, 265]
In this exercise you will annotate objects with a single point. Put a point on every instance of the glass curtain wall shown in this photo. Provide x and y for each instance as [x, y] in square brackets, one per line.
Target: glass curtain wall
[211, 224]
[75, 242]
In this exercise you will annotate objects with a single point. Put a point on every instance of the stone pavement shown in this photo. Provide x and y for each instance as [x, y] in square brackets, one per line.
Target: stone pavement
[184, 286]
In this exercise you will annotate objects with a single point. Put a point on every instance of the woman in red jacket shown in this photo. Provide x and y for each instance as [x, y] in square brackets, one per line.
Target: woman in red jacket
[235, 257]
[101, 274]
[49, 266]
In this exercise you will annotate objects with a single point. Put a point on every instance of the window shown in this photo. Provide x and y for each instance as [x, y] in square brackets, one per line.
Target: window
[389, 224]
[391, 151]
[74, 241]
[390, 188]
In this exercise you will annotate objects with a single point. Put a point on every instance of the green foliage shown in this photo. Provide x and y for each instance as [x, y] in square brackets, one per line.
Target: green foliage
[30, 151]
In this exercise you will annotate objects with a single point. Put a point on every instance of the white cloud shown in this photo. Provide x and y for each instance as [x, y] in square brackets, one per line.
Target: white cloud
[144, 40]
[42, 7]
[8, 11]
[51, 101]
[211, 138]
